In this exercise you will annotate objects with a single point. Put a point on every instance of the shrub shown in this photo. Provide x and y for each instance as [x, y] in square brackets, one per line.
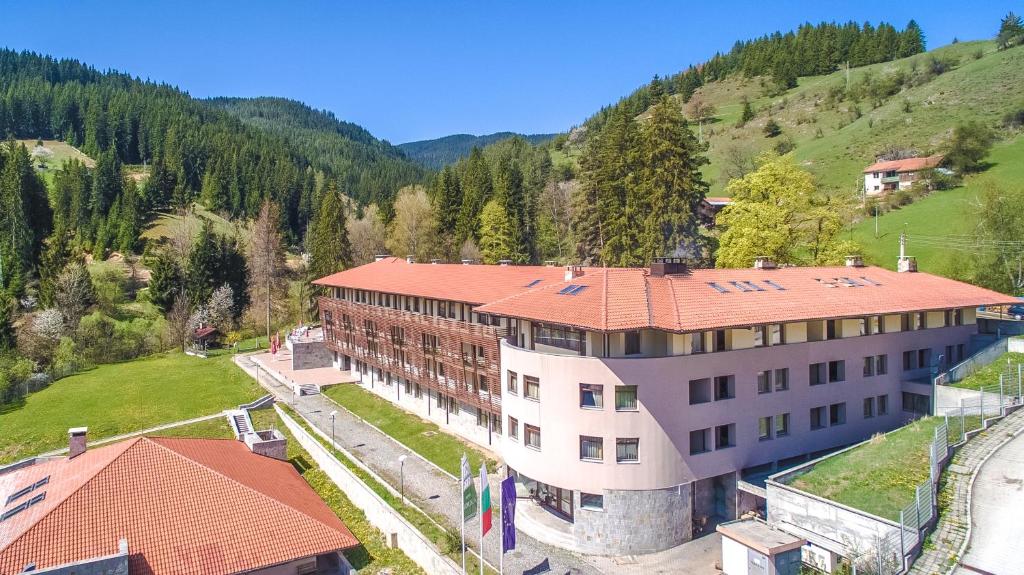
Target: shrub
[772, 129]
[66, 359]
[1014, 119]
[969, 146]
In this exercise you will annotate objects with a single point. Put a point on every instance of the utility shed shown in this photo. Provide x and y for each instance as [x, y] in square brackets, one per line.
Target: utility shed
[752, 547]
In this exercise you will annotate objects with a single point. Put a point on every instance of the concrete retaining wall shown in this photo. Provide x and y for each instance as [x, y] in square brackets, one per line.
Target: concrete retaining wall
[377, 511]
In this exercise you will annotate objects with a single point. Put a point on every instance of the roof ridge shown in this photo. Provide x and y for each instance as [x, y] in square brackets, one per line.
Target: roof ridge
[239, 483]
[675, 303]
[131, 443]
[647, 297]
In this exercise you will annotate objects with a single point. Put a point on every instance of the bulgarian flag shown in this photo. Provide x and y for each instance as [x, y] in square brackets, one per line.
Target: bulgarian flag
[485, 502]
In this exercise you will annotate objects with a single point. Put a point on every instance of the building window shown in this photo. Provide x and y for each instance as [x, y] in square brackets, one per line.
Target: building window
[725, 436]
[591, 501]
[591, 448]
[836, 371]
[764, 428]
[881, 364]
[916, 403]
[513, 428]
[719, 340]
[782, 379]
[697, 342]
[883, 404]
[877, 324]
[513, 383]
[921, 320]
[531, 434]
[831, 331]
[909, 360]
[531, 387]
[924, 357]
[869, 366]
[958, 316]
[591, 396]
[700, 391]
[782, 425]
[632, 342]
[558, 336]
[837, 414]
[625, 398]
[496, 423]
[817, 417]
[725, 387]
[869, 407]
[764, 381]
[627, 450]
[817, 373]
[700, 441]
[482, 417]
[776, 334]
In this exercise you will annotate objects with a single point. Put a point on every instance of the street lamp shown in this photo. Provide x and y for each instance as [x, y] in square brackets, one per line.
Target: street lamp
[333, 414]
[401, 461]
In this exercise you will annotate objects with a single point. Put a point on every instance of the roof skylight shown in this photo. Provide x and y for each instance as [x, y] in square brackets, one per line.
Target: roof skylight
[533, 283]
[27, 489]
[740, 286]
[718, 288]
[568, 289]
[22, 506]
[774, 285]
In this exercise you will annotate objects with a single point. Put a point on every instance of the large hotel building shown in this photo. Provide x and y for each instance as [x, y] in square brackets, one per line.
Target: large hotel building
[630, 403]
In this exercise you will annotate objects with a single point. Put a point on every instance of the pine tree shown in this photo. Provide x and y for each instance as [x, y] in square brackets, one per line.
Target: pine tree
[165, 282]
[747, 114]
[7, 337]
[327, 241]
[201, 268]
[496, 235]
[1011, 32]
[476, 191]
[911, 40]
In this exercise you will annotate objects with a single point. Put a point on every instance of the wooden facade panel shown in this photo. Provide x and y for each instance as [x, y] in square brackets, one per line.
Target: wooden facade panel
[411, 345]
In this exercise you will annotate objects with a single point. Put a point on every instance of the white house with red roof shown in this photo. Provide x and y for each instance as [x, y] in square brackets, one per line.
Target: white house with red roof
[891, 175]
[165, 506]
[631, 404]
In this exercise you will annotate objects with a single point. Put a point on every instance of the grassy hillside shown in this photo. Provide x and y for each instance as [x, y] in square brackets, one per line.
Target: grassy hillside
[440, 152]
[833, 142]
[940, 214]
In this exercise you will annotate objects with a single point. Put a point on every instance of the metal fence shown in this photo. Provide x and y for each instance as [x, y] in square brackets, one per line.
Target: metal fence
[977, 361]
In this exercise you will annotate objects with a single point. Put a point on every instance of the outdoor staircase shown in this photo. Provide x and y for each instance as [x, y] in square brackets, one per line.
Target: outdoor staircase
[309, 389]
[240, 422]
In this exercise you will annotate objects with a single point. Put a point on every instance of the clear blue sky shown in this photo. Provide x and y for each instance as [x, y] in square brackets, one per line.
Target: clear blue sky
[409, 71]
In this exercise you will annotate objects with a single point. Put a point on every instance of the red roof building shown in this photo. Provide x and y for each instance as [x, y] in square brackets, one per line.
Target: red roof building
[897, 174]
[166, 506]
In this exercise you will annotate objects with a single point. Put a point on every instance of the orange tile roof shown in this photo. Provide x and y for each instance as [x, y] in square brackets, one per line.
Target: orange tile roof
[475, 284]
[718, 200]
[623, 299]
[185, 506]
[905, 165]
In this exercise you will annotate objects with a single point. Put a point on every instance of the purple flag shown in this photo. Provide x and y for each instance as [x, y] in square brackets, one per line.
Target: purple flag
[508, 513]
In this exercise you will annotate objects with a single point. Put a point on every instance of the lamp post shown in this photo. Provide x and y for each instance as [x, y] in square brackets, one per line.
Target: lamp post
[333, 414]
[401, 462]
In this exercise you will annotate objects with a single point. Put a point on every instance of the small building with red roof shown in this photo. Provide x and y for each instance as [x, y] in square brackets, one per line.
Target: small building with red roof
[165, 506]
[891, 175]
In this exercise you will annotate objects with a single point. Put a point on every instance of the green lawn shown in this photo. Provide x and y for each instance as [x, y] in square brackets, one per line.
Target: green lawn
[120, 398]
[420, 435]
[878, 477]
[988, 376]
[942, 213]
[216, 428]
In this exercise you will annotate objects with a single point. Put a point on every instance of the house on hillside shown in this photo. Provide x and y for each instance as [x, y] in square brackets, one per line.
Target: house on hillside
[162, 506]
[710, 207]
[891, 175]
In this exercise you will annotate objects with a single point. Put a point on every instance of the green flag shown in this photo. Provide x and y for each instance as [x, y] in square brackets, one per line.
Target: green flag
[468, 491]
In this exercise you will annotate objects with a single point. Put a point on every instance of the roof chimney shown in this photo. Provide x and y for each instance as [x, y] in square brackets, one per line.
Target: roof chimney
[854, 261]
[549, 263]
[467, 262]
[379, 257]
[906, 264]
[573, 272]
[764, 263]
[76, 441]
[435, 260]
[504, 262]
[410, 259]
[664, 266]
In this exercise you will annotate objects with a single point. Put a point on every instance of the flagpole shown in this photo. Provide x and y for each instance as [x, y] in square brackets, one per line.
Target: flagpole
[462, 523]
[483, 485]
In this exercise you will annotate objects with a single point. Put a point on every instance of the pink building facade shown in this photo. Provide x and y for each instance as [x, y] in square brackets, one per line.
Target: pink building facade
[631, 408]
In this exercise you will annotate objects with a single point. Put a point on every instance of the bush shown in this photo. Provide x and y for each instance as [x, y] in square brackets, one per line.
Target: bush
[784, 146]
[110, 286]
[772, 129]
[66, 359]
[1014, 119]
[969, 146]
[13, 371]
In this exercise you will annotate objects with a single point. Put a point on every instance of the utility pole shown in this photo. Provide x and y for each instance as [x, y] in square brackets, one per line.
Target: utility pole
[876, 221]
[847, 75]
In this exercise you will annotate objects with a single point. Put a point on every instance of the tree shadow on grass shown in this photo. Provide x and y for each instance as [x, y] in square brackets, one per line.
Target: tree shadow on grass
[359, 557]
[13, 405]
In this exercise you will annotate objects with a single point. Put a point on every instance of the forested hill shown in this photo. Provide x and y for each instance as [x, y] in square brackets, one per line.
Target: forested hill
[441, 152]
[369, 169]
[812, 49]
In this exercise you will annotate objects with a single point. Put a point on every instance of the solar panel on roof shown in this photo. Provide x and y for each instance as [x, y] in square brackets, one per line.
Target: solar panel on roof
[718, 288]
[577, 290]
[740, 286]
[774, 285]
[567, 289]
[533, 283]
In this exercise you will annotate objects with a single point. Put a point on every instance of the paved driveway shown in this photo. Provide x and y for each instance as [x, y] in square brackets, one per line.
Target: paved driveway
[997, 509]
